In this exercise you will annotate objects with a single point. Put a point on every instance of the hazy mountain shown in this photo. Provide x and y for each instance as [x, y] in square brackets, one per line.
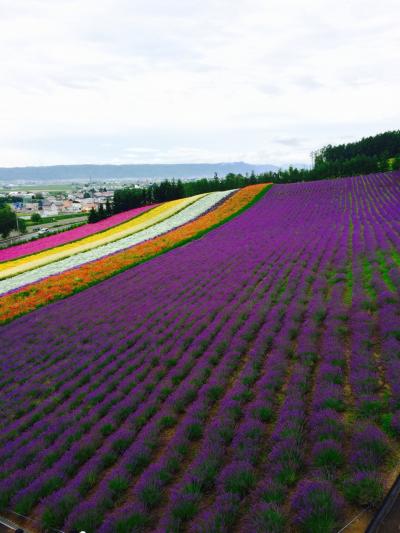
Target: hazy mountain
[121, 172]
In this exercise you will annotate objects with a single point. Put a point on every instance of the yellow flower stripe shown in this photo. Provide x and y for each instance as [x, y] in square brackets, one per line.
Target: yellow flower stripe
[149, 218]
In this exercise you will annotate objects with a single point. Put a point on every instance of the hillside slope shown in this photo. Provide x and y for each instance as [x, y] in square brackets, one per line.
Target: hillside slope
[246, 381]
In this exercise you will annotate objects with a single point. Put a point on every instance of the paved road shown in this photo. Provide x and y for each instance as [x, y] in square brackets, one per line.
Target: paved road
[6, 526]
[391, 522]
[387, 518]
[73, 220]
[9, 526]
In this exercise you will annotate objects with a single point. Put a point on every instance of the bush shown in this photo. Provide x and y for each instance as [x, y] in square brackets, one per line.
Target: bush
[317, 507]
[203, 477]
[328, 454]
[89, 519]
[185, 508]
[214, 393]
[88, 483]
[265, 414]
[273, 493]
[395, 423]
[194, 431]
[151, 494]
[326, 424]
[107, 429]
[167, 421]
[371, 448]
[335, 403]
[118, 486]
[55, 515]
[268, 518]
[120, 445]
[36, 218]
[364, 489]
[371, 408]
[25, 504]
[139, 462]
[135, 522]
[238, 478]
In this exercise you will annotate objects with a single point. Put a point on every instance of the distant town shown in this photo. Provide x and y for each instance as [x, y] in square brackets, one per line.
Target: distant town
[40, 209]
[74, 199]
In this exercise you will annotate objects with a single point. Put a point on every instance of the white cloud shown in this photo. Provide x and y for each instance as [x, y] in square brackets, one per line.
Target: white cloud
[191, 80]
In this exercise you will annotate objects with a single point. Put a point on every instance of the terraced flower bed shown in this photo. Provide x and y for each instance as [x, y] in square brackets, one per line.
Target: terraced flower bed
[75, 234]
[174, 231]
[115, 233]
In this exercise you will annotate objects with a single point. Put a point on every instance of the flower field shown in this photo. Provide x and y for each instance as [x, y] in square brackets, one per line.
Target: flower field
[74, 234]
[174, 231]
[118, 232]
[81, 254]
[246, 382]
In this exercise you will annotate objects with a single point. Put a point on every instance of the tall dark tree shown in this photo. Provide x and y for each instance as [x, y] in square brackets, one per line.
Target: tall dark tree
[109, 211]
[101, 212]
[93, 216]
[9, 222]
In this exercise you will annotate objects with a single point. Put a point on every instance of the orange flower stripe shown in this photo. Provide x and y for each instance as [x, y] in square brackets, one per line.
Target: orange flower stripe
[48, 290]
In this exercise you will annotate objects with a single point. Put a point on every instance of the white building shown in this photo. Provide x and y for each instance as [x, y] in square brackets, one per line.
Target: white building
[49, 209]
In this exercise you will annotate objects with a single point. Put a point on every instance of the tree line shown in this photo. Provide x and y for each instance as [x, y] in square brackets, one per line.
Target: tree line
[95, 215]
[383, 146]
[166, 190]
[379, 153]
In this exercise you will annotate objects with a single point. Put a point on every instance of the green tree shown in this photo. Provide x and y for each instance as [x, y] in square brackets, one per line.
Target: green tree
[109, 210]
[36, 218]
[8, 221]
[21, 225]
[101, 212]
[93, 216]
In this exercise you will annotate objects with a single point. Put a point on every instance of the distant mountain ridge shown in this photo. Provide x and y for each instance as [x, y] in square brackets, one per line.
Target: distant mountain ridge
[129, 172]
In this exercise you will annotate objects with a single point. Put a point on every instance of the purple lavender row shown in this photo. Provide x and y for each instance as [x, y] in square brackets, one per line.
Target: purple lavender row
[88, 395]
[194, 418]
[188, 430]
[268, 515]
[90, 368]
[267, 372]
[92, 438]
[172, 402]
[222, 339]
[226, 500]
[145, 326]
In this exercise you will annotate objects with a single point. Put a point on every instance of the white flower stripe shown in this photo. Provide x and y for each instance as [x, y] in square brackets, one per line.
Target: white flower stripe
[187, 214]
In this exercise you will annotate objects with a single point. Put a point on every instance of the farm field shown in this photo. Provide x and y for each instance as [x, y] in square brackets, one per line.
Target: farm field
[41, 284]
[111, 234]
[75, 234]
[246, 382]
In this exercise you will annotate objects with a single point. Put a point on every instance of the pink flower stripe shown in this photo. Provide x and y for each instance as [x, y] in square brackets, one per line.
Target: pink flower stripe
[75, 234]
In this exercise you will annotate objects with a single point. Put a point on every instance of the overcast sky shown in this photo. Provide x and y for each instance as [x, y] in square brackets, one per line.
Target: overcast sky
[143, 81]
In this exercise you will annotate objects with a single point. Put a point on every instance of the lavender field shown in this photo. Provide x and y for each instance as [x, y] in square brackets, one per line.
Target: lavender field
[246, 382]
